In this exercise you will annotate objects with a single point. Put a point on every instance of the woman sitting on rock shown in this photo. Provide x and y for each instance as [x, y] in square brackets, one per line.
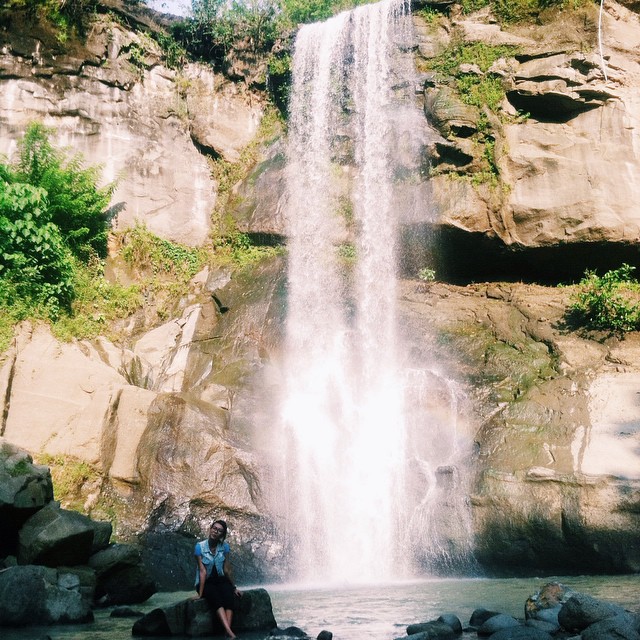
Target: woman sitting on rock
[213, 576]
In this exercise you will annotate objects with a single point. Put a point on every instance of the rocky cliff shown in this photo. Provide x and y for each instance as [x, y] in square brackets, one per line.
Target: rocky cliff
[167, 418]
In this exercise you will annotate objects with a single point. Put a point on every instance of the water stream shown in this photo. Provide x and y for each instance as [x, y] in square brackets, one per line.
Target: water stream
[357, 447]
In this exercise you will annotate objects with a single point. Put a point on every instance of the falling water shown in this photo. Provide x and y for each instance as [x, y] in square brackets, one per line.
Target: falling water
[344, 426]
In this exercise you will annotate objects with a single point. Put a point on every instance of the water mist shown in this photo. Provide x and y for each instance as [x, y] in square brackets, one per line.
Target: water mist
[348, 494]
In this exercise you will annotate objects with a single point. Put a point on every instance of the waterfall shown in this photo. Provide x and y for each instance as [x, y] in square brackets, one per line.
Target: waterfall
[343, 424]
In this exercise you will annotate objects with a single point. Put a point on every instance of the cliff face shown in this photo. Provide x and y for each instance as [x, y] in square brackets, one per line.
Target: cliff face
[166, 422]
[112, 98]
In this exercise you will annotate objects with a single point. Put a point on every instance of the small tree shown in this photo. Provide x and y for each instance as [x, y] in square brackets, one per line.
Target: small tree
[35, 264]
[75, 203]
[610, 302]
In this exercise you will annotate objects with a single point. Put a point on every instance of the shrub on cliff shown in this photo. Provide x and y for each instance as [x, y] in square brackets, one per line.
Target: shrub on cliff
[52, 213]
[610, 302]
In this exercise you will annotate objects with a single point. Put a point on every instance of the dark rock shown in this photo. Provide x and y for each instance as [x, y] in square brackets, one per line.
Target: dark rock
[451, 620]
[24, 489]
[102, 531]
[520, 633]
[497, 623]
[294, 632]
[193, 617]
[121, 576]
[169, 559]
[325, 635]
[431, 630]
[480, 616]
[541, 625]
[55, 536]
[581, 611]
[32, 595]
[623, 626]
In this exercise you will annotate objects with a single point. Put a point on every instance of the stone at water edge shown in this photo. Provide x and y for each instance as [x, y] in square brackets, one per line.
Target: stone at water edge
[581, 611]
[497, 623]
[122, 577]
[32, 595]
[520, 633]
[193, 617]
[434, 629]
[623, 627]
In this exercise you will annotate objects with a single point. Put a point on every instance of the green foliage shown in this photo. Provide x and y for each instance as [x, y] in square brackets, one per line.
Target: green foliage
[144, 251]
[430, 15]
[427, 275]
[469, 6]
[279, 80]
[75, 203]
[478, 53]
[70, 477]
[238, 249]
[66, 15]
[35, 264]
[608, 303]
[96, 304]
[217, 26]
[51, 215]
[347, 252]
[175, 54]
[304, 11]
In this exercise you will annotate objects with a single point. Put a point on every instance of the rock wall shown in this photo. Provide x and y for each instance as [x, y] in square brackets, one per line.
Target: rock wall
[112, 98]
[167, 421]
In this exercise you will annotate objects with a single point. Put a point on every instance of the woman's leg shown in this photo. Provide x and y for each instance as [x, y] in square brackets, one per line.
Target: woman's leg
[222, 615]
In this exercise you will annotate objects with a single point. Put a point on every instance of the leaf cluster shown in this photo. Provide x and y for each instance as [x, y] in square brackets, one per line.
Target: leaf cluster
[610, 302]
[217, 26]
[513, 11]
[52, 214]
[67, 16]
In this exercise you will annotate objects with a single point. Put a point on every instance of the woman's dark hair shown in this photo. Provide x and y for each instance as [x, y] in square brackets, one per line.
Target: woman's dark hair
[223, 524]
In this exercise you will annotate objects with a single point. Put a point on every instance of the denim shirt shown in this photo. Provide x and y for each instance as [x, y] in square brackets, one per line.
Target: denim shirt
[211, 558]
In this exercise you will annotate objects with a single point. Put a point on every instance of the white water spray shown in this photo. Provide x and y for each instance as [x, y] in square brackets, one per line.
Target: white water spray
[343, 424]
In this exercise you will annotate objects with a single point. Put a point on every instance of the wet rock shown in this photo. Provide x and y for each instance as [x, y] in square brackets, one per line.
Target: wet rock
[434, 630]
[121, 576]
[581, 611]
[31, 595]
[520, 633]
[622, 627]
[497, 623]
[544, 606]
[193, 617]
[480, 616]
[451, 620]
[24, 489]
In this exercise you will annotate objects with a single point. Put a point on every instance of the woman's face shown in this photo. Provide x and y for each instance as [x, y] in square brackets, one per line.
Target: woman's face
[216, 532]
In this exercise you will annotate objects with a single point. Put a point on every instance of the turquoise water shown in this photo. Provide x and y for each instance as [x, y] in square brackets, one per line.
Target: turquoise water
[379, 612]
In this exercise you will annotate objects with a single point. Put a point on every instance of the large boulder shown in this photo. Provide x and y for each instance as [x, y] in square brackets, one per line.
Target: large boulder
[31, 595]
[24, 488]
[121, 576]
[194, 618]
[55, 536]
[582, 610]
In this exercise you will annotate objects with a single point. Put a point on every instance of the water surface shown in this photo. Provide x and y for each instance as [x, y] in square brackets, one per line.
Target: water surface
[379, 612]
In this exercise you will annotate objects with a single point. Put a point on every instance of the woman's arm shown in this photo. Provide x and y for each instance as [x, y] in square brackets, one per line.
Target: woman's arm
[202, 570]
[226, 567]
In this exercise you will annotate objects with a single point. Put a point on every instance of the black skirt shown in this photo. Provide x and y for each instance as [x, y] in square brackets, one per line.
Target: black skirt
[219, 592]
